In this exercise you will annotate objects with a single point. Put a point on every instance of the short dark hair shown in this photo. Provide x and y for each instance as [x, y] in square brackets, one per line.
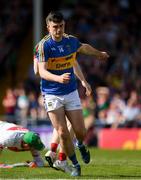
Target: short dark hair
[55, 16]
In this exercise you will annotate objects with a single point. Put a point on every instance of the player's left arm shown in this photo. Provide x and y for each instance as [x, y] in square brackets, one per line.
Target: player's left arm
[89, 50]
[78, 72]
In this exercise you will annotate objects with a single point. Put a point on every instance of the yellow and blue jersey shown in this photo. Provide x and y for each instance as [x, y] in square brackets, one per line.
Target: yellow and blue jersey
[59, 58]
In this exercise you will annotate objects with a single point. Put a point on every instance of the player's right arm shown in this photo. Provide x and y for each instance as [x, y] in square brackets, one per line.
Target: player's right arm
[43, 72]
[64, 78]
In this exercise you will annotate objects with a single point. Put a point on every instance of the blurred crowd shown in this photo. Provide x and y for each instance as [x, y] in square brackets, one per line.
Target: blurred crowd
[22, 107]
[111, 26]
[15, 20]
[115, 27]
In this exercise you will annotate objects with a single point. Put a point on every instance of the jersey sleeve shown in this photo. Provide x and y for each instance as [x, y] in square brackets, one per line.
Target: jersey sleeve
[75, 42]
[78, 44]
[43, 52]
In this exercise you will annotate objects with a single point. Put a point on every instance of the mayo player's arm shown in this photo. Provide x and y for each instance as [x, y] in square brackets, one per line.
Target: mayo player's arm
[37, 157]
[45, 74]
[89, 50]
[78, 72]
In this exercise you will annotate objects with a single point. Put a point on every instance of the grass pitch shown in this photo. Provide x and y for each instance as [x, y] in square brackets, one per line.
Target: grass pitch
[105, 164]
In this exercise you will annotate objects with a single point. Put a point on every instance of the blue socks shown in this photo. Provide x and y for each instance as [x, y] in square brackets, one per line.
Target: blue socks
[73, 159]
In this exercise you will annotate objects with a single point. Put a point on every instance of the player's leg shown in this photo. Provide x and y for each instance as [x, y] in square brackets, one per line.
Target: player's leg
[59, 123]
[61, 162]
[52, 103]
[70, 129]
[56, 112]
[58, 120]
[51, 155]
[75, 116]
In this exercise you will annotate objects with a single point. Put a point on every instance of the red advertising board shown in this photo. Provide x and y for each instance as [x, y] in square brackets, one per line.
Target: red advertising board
[119, 139]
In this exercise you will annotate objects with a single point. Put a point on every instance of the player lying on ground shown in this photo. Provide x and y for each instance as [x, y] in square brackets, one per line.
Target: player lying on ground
[16, 138]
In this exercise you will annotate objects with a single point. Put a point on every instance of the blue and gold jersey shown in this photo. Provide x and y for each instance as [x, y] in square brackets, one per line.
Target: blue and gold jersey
[59, 58]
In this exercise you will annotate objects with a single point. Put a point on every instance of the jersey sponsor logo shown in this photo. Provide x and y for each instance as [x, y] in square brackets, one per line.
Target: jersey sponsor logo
[65, 65]
[61, 63]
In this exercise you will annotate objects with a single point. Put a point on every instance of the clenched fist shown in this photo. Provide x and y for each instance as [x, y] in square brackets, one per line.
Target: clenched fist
[64, 78]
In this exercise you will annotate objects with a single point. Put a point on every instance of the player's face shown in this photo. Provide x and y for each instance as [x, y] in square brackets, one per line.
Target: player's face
[56, 30]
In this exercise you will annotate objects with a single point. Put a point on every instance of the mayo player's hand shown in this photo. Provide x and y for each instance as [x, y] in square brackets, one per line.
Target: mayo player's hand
[103, 56]
[87, 86]
[64, 78]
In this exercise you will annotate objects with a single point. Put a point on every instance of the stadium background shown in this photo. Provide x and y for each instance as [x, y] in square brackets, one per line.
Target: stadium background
[112, 26]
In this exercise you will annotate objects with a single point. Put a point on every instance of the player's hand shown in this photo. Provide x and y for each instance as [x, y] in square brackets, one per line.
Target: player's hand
[64, 78]
[103, 56]
[87, 86]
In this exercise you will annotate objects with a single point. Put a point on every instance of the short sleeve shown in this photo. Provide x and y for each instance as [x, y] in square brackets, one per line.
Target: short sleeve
[43, 52]
[78, 43]
[75, 42]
